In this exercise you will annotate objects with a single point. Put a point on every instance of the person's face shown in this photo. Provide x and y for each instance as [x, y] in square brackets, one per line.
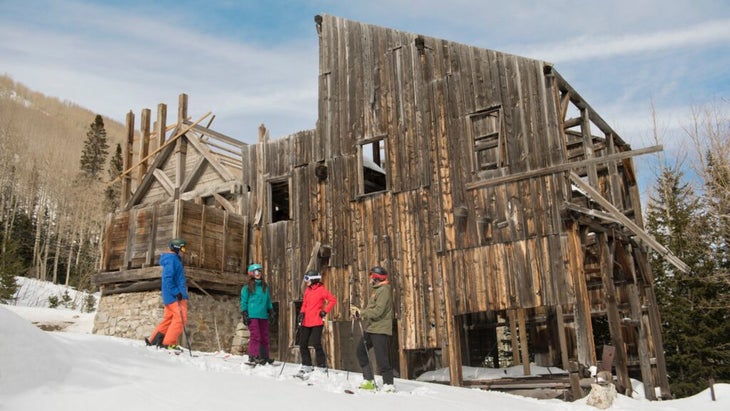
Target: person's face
[257, 274]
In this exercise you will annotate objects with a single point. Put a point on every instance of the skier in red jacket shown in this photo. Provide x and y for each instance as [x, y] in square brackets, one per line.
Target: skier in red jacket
[317, 303]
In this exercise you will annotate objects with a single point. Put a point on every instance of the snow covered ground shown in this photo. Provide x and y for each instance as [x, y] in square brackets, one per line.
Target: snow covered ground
[74, 370]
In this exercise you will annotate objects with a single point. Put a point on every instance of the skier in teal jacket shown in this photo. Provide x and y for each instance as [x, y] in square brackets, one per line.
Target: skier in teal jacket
[256, 310]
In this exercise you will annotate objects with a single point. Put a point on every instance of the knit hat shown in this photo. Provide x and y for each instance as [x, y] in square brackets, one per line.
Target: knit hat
[378, 273]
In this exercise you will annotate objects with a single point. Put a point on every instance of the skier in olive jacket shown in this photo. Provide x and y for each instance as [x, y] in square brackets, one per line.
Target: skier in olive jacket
[378, 316]
[317, 303]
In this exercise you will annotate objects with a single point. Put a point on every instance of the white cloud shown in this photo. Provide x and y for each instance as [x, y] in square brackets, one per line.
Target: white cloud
[608, 46]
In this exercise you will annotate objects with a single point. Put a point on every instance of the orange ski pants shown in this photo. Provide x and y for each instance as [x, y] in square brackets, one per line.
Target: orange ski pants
[172, 322]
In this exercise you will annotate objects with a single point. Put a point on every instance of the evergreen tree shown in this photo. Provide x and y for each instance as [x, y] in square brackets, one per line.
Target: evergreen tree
[112, 194]
[93, 157]
[692, 331]
[11, 265]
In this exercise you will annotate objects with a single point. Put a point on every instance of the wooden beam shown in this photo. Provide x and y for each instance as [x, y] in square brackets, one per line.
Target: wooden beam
[561, 168]
[194, 174]
[566, 88]
[646, 237]
[173, 138]
[225, 204]
[205, 152]
[164, 181]
[609, 218]
[219, 136]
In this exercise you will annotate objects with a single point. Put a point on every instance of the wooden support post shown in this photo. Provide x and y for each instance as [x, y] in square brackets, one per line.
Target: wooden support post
[453, 329]
[181, 150]
[182, 109]
[131, 231]
[581, 308]
[559, 318]
[588, 150]
[144, 144]
[523, 342]
[614, 318]
[512, 316]
[202, 260]
[655, 323]
[224, 249]
[127, 160]
[647, 377]
[574, 377]
[152, 239]
[161, 125]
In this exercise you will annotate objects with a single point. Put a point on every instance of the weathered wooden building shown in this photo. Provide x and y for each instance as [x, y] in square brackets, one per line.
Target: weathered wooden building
[497, 198]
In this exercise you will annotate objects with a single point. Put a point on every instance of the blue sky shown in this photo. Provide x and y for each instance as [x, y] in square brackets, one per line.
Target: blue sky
[253, 62]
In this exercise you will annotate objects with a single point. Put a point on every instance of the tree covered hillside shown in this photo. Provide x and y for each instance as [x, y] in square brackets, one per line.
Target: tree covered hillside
[50, 220]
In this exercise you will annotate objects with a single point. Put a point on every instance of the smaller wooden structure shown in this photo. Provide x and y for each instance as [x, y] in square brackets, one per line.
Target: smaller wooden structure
[189, 187]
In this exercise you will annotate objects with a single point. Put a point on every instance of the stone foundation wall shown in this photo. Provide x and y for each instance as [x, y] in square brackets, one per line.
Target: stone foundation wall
[211, 324]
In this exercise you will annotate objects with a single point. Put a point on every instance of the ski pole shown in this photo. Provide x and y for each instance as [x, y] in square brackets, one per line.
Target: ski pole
[367, 352]
[185, 328]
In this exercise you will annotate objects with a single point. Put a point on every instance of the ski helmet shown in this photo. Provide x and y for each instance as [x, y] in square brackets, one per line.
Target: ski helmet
[253, 268]
[177, 245]
[313, 276]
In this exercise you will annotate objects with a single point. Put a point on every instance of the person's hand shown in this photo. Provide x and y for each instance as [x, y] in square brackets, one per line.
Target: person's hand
[300, 318]
[244, 318]
[179, 296]
[272, 315]
[322, 314]
[354, 311]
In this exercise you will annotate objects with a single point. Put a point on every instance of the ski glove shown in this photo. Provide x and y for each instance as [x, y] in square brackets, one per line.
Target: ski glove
[179, 296]
[271, 315]
[322, 314]
[300, 318]
[244, 318]
[354, 311]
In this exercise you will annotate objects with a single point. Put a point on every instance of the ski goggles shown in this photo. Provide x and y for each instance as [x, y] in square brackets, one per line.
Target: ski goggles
[312, 277]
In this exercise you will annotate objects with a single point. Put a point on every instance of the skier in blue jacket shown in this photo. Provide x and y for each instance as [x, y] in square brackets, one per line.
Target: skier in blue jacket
[174, 297]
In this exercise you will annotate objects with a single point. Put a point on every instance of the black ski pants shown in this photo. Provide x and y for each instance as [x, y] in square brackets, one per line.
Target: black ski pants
[312, 337]
[381, 347]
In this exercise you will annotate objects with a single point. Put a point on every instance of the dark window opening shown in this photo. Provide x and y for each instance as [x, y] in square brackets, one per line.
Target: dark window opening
[279, 200]
[373, 162]
[489, 151]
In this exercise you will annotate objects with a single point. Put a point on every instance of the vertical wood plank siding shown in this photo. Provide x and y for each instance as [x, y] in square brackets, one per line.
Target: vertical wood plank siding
[375, 82]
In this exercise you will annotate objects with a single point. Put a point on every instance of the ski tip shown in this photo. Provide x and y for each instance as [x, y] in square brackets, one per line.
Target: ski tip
[349, 392]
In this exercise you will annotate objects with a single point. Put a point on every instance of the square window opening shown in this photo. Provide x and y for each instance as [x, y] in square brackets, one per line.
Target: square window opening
[373, 162]
[279, 191]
